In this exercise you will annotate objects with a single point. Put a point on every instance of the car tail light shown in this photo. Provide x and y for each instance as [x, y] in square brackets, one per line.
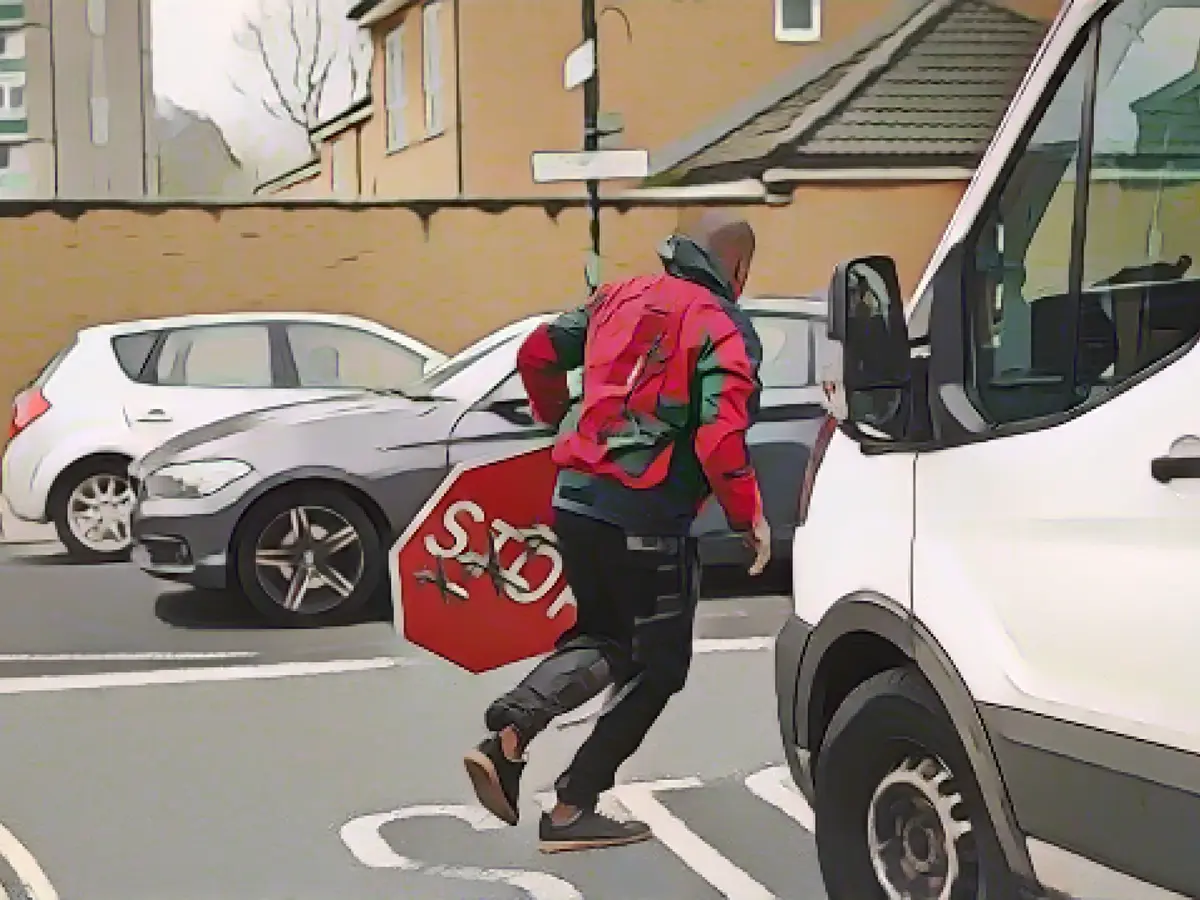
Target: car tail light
[824, 436]
[28, 406]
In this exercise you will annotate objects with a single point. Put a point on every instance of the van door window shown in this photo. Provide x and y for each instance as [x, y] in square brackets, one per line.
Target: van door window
[1021, 262]
[1140, 286]
[1065, 307]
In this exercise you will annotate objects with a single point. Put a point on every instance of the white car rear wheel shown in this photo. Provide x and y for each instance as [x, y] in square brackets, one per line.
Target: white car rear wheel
[91, 509]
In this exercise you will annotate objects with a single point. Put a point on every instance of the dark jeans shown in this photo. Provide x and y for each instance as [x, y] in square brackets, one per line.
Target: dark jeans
[636, 601]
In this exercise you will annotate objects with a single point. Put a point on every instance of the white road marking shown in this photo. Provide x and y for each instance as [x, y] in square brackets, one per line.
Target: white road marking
[723, 614]
[732, 645]
[123, 657]
[37, 886]
[774, 786]
[362, 838]
[51, 683]
[256, 672]
[699, 856]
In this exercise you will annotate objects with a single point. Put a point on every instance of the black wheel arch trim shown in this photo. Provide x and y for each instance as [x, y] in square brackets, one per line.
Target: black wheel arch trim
[883, 617]
[334, 478]
[86, 461]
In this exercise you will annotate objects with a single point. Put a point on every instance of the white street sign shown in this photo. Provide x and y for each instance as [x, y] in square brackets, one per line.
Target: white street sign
[597, 165]
[580, 65]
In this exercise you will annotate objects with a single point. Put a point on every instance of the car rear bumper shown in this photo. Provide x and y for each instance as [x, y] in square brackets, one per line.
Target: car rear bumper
[790, 645]
[18, 480]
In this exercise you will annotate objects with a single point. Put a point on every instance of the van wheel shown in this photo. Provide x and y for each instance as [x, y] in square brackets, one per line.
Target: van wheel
[91, 506]
[308, 557]
[898, 810]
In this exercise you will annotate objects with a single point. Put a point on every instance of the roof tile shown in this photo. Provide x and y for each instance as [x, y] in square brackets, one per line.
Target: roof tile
[942, 96]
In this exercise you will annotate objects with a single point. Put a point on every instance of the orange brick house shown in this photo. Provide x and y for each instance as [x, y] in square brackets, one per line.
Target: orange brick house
[857, 132]
[463, 91]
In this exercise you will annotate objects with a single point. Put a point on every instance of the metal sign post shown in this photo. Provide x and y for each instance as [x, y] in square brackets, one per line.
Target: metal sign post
[591, 137]
[594, 164]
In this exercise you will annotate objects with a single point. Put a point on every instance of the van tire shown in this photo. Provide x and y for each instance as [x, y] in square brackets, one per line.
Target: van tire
[891, 746]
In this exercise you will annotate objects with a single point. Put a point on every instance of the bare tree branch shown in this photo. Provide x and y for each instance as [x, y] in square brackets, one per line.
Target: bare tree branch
[292, 36]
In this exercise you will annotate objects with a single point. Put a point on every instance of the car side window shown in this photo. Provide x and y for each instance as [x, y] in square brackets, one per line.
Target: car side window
[1065, 307]
[216, 356]
[337, 356]
[133, 351]
[787, 346]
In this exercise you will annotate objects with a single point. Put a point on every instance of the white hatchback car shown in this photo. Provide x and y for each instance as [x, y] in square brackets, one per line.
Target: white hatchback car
[120, 390]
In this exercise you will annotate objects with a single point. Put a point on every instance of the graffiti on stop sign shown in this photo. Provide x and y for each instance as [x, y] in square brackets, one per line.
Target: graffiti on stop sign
[509, 580]
[477, 577]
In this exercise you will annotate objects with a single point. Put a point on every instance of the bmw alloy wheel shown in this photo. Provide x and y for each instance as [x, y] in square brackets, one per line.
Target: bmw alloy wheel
[309, 559]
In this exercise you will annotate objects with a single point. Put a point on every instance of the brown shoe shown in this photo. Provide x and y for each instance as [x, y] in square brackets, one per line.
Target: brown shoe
[496, 779]
[590, 831]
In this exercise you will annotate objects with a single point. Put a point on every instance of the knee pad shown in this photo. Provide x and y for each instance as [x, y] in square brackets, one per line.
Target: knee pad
[572, 675]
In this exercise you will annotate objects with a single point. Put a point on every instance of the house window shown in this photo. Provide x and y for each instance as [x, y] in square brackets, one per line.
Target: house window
[12, 98]
[97, 17]
[5, 156]
[797, 20]
[431, 44]
[395, 98]
[12, 45]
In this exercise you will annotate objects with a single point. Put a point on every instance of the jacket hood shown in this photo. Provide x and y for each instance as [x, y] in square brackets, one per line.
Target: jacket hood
[684, 258]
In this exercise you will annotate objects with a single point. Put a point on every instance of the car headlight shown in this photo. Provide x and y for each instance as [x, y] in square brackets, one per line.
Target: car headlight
[193, 479]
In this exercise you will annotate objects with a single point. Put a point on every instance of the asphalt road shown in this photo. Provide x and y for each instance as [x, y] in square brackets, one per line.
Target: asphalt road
[160, 743]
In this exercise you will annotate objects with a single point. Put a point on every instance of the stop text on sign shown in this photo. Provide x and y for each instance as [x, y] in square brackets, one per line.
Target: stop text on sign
[534, 542]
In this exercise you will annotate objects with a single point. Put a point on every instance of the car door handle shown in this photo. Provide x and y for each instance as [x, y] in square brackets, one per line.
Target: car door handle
[1167, 468]
[154, 415]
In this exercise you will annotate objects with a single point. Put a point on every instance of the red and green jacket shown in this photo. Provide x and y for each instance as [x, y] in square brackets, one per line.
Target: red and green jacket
[670, 387]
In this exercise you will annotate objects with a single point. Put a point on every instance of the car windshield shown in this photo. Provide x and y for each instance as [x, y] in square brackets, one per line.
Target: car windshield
[473, 371]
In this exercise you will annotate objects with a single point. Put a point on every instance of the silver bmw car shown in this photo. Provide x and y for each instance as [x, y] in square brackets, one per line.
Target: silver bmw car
[296, 506]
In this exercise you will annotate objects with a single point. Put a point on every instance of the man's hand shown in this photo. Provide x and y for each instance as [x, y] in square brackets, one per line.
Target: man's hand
[759, 540]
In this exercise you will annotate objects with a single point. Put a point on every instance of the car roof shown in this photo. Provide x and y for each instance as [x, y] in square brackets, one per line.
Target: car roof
[807, 306]
[232, 318]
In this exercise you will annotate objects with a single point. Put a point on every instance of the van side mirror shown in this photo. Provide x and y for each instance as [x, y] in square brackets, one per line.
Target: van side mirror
[866, 322]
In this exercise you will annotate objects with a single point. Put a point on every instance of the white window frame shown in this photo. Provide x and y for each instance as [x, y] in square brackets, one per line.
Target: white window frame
[14, 44]
[395, 94]
[8, 81]
[431, 59]
[798, 35]
[97, 17]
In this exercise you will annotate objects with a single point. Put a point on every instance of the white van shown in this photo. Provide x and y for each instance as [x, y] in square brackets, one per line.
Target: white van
[991, 682]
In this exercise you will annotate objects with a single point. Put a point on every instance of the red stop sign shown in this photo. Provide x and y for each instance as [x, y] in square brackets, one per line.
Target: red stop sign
[477, 577]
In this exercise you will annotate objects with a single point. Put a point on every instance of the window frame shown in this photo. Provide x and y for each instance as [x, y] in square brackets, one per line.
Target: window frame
[958, 416]
[432, 65]
[12, 44]
[292, 368]
[157, 337]
[787, 35]
[395, 90]
[10, 81]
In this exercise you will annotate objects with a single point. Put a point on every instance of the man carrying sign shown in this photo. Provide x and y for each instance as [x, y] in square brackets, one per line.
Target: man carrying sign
[670, 387]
